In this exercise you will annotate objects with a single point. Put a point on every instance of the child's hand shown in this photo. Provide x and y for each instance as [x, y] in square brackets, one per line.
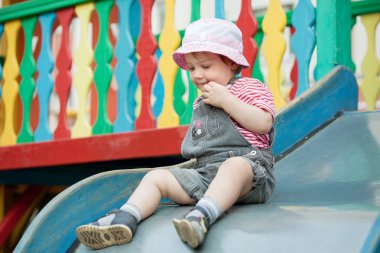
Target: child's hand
[215, 94]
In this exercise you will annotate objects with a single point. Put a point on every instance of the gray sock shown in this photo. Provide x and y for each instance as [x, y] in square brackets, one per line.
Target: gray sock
[133, 210]
[211, 208]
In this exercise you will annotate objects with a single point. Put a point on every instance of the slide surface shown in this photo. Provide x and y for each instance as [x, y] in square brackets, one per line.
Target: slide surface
[327, 200]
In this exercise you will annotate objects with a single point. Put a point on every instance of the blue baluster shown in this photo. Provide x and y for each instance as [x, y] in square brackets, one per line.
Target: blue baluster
[45, 65]
[124, 68]
[158, 90]
[135, 28]
[131, 95]
[135, 19]
[303, 41]
[219, 9]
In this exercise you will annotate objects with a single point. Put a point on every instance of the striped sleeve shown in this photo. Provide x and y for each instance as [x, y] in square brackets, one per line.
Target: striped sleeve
[255, 93]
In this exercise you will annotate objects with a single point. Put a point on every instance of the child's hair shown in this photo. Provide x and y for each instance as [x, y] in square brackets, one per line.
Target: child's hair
[212, 35]
[226, 60]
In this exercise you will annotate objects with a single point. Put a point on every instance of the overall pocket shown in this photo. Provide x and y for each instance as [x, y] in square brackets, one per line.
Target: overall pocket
[205, 123]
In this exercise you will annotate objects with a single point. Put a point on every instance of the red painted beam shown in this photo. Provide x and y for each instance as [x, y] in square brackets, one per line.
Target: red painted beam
[138, 144]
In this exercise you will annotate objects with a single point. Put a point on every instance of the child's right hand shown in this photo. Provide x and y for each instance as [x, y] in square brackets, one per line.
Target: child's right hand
[216, 94]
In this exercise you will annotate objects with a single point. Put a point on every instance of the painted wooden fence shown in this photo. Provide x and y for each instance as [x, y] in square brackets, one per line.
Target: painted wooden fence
[78, 70]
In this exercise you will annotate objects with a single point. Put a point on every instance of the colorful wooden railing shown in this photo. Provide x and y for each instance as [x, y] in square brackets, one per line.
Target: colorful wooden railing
[152, 93]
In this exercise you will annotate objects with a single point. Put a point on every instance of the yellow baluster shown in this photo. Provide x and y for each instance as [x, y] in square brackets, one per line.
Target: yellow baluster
[370, 87]
[169, 41]
[10, 88]
[83, 76]
[2, 208]
[2, 201]
[284, 89]
[274, 47]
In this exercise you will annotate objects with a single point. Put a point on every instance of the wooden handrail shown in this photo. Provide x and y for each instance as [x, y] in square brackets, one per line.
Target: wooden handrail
[364, 7]
[29, 8]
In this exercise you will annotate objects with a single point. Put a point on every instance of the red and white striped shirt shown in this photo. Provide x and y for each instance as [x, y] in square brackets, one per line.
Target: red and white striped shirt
[255, 93]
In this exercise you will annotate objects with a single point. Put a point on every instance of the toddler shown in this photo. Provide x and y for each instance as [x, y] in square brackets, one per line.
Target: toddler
[230, 136]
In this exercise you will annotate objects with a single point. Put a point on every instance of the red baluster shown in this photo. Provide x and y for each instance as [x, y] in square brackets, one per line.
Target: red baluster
[248, 24]
[63, 80]
[146, 66]
[293, 73]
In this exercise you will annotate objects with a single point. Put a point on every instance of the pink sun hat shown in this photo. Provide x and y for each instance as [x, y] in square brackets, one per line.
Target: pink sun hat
[212, 35]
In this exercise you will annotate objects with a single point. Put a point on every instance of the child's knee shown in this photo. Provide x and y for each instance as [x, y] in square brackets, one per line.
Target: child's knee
[238, 169]
[159, 178]
[236, 165]
[155, 175]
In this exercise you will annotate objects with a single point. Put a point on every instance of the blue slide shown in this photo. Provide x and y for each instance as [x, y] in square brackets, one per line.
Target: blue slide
[327, 196]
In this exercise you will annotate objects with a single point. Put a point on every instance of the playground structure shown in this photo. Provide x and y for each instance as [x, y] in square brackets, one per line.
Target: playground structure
[37, 154]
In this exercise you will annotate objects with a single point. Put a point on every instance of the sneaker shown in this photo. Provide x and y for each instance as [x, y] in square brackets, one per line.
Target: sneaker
[116, 227]
[191, 230]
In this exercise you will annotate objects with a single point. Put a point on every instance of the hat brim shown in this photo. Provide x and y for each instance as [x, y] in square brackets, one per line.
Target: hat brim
[232, 54]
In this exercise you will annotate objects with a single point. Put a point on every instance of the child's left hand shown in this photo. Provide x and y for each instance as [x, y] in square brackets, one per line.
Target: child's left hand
[215, 94]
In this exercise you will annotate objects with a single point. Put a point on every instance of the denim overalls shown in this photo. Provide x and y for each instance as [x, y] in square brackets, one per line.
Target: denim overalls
[212, 138]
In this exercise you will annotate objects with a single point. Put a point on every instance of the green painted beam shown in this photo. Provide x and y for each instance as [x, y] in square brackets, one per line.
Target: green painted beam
[364, 7]
[29, 8]
[34, 7]
[38, 6]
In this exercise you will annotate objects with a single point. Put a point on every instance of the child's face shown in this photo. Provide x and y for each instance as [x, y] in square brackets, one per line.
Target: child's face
[205, 67]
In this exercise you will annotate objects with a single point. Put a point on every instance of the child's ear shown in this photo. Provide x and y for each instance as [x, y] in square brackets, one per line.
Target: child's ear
[234, 66]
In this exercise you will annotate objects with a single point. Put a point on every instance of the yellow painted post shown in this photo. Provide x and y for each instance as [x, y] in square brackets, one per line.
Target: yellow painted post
[370, 87]
[274, 47]
[23, 222]
[2, 208]
[83, 76]
[10, 88]
[168, 42]
[1, 116]
[2, 201]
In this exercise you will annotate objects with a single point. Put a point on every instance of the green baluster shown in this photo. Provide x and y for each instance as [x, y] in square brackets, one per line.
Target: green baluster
[256, 73]
[179, 90]
[103, 71]
[195, 10]
[27, 84]
[187, 113]
[352, 63]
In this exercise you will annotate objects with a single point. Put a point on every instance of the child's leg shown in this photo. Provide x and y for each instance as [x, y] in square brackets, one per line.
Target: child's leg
[118, 226]
[154, 186]
[233, 179]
